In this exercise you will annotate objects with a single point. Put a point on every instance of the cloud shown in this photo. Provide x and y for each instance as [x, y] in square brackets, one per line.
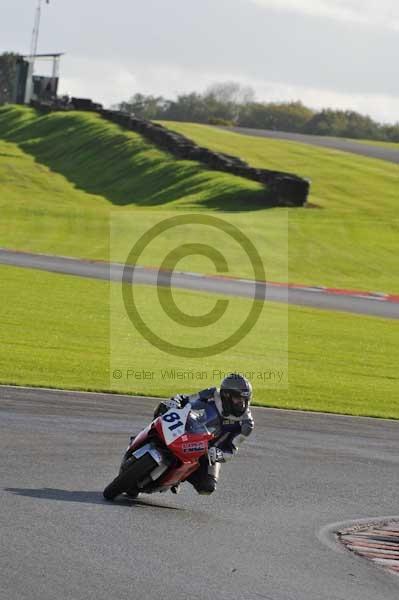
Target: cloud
[382, 13]
[103, 81]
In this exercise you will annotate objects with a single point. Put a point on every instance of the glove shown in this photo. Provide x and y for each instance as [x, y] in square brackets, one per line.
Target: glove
[163, 407]
[181, 399]
[215, 455]
[172, 403]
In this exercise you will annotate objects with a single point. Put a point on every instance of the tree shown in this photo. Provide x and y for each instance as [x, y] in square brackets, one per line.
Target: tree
[278, 116]
[362, 127]
[391, 132]
[187, 107]
[226, 99]
[230, 92]
[327, 122]
[8, 61]
[346, 123]
[146, 107]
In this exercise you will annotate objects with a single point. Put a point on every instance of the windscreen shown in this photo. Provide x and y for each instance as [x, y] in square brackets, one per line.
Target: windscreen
[203, 418]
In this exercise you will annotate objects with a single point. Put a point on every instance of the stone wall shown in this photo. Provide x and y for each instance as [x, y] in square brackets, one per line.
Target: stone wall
[281, 189]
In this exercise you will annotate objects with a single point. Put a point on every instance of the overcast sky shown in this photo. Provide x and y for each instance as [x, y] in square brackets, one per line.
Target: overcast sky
[335, 53]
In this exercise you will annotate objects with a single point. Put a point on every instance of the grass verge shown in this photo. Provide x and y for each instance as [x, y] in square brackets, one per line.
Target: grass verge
[56, 332]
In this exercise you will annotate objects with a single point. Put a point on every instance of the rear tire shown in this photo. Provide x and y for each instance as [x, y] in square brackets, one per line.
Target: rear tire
[134, 470]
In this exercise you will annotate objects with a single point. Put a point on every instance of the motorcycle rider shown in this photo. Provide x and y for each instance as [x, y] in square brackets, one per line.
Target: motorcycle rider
[232, 401]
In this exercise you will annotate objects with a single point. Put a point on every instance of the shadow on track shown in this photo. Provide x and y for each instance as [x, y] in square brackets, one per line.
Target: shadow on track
[87, 497]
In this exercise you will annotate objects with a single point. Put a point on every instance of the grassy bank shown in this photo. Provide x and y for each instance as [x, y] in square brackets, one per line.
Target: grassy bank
[56, 332]
[341, 182]
[66, 177]
[100, 158]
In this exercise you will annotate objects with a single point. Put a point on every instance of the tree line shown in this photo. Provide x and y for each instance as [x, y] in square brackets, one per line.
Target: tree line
[233, 104]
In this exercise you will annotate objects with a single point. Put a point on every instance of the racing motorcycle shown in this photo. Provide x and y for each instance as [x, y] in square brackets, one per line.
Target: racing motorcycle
[166, 452]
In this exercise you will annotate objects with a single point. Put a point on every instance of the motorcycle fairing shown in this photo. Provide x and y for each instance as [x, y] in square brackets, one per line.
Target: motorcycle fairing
[187, 433]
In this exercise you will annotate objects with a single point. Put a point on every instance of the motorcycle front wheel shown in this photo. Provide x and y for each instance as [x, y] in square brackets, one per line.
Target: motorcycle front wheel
[134, 470]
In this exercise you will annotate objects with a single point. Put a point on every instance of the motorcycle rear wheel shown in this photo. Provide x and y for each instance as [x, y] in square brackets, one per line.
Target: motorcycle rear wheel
[134, 470]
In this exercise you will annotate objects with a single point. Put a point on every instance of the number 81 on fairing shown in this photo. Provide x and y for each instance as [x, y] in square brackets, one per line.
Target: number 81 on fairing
[173, 423]
[171, 418]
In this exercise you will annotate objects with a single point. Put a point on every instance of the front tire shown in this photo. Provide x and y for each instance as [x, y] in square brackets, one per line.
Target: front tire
[134, 470]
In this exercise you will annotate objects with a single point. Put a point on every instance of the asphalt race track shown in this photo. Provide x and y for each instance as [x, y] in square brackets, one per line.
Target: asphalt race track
[262, 535]
[362, 148]
[376, 305]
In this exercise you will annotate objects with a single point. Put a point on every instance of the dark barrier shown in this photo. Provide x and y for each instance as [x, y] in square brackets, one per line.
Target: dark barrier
[281, 189]
[85, 104]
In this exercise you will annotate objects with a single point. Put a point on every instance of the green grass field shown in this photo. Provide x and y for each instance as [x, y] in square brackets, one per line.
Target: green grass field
[341, 182]
[76, 185]
[56, 332]
[66, 178]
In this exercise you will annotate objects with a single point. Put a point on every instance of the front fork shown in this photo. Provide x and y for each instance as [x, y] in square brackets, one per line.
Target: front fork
[128, 453]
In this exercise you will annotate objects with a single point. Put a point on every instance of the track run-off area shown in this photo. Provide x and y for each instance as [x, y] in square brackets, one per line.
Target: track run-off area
[267, 532]
[358, 302]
